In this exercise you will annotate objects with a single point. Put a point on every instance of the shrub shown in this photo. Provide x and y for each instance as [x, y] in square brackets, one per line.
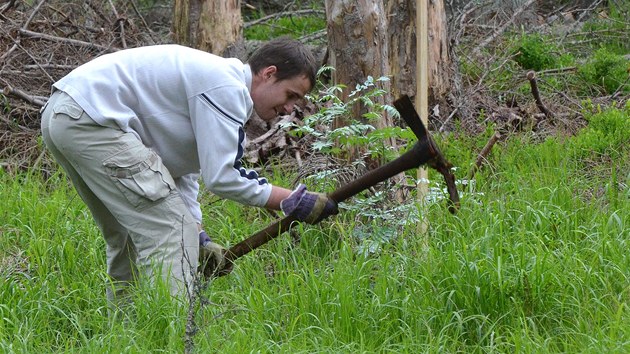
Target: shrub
[608, 133]
[534, 53]
[607, 70]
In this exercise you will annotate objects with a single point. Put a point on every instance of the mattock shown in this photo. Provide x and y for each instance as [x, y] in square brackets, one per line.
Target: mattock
[425, 151]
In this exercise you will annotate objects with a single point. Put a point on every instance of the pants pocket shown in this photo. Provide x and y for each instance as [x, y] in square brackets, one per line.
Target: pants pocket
[140, 176]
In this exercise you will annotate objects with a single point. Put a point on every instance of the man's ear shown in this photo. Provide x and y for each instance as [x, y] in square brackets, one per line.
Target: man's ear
[269, 71]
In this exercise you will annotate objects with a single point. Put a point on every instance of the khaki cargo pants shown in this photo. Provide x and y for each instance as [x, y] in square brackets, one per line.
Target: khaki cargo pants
[131, 195]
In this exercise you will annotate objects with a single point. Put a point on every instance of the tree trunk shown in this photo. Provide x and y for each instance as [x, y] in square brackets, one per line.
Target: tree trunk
[378, 38]
[186, 15]
[357, 42]
[402, 46]
[440, 66]
[402, 53]
[209, 25]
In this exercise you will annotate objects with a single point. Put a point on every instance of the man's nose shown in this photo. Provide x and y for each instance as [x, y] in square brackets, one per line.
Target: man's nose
[288, 107]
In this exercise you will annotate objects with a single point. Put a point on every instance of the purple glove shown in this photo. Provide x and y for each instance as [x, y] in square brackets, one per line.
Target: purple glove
[204, 238]
[307, 206]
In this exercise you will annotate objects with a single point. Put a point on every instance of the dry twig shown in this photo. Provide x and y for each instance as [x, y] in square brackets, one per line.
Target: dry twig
[28, 21]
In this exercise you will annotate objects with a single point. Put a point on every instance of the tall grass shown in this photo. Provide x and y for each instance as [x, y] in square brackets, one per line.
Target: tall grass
[536, 261]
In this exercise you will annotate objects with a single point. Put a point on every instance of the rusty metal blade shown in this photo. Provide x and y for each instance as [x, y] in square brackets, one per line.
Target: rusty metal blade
[409, 114]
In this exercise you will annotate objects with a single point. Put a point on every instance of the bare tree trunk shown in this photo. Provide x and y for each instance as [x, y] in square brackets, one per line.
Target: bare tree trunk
[221, 27]
[402, 52]
[440, 66]
[402, 46]
[357, 42]
[378, 38]
[213, 26]
[186, 15]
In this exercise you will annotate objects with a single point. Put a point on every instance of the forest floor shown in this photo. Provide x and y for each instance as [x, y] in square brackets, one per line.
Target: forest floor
[44, 41]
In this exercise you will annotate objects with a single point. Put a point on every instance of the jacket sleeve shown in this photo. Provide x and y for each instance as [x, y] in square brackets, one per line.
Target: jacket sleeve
[188, 187]
[218, 117]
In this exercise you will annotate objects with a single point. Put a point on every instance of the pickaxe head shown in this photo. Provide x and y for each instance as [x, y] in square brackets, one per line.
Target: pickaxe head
[437, 160]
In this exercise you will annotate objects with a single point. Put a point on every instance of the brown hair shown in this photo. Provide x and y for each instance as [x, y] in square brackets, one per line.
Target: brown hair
[289, 56]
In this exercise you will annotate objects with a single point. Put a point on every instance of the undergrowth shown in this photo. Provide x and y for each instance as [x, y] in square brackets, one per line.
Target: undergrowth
[534, 261]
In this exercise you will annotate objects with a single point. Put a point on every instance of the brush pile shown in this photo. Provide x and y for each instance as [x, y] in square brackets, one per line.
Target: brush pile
[42, 42]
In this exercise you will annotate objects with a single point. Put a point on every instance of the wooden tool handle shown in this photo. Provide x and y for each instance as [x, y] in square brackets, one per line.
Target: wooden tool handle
[413, 158]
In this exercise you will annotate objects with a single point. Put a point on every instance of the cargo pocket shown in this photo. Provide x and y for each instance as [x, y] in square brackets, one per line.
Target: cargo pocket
[140, 176]
[72, 110]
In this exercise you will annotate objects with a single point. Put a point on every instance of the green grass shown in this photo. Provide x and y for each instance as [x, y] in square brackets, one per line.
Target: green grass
[536, 261]
[293, 26]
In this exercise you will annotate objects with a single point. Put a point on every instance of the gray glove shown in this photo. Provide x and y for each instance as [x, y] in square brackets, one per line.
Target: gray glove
[307, 206]
[212, 260]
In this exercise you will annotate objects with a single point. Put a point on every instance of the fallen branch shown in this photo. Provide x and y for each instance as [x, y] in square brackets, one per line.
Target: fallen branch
[7, 6]
[10, 91]
[281, 14]
[558, 70]
[531, 76]
[28, 22]
[483, 155]
[67, 40]
[120, 22]
[50, 66]
[503, 27]
[144, 22]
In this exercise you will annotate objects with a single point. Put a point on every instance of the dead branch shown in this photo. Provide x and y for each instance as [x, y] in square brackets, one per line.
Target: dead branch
[50, 66]
[35, 61]
[558, 70]
[68, 41]
[120, 22]
[531, 76]
[482, 157]
[286, 119]
[10, 91]
[7, 6]
[144, 22]
[281, 14]
[503, 27]
[28, 21]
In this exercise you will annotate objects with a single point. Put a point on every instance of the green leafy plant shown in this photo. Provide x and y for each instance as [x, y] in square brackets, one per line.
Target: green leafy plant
[357, 133]
[607, 70]
[608, 133]
[535, 53]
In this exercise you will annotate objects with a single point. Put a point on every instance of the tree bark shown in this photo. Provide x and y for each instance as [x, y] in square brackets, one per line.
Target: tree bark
[209, 25]
[185, 15]
[440, 66]
[221, 27]
[357, 42]
[402, 46]
[402, 53]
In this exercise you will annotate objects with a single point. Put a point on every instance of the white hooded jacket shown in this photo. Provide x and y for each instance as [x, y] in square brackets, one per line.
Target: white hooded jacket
[188, 105]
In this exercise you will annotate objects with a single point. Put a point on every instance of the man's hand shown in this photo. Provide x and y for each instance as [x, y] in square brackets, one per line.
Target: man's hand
[212, 260]
[307, 206]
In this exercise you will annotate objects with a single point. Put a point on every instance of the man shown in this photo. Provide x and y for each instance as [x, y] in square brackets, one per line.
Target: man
[136, 129]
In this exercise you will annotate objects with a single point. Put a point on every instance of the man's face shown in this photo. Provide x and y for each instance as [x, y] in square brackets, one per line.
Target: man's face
[272, 97]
